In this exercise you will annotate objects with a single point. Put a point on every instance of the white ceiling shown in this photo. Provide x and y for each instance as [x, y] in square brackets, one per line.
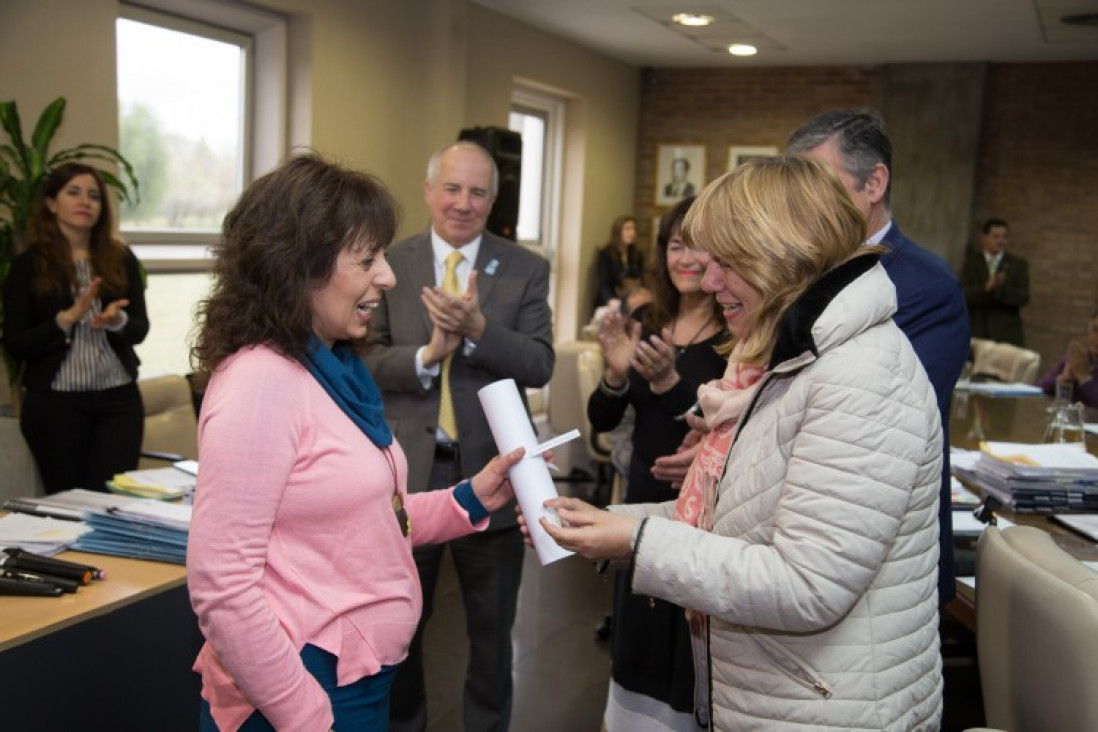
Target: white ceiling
[817, 32]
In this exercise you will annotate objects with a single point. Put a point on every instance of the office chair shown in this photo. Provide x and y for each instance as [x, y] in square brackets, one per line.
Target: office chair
[590, 365]
[1036, 621]
[1006, 362]
[567, 410]
[171, 427]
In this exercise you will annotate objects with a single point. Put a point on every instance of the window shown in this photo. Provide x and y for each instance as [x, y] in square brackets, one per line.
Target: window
[531, 125]
[182, 114]
[193, 166]
[202, 91]
[539, 118]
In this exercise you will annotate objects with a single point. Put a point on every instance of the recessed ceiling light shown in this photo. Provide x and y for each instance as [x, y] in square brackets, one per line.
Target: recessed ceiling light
[742, 49]
[691, 19]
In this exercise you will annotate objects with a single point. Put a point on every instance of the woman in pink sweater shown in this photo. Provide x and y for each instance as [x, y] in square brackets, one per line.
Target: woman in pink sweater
[300, 554]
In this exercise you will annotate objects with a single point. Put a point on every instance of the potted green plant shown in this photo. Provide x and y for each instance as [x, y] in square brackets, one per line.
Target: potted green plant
[24, 165]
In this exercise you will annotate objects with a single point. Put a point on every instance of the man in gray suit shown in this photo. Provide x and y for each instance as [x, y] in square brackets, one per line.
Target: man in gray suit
[455, 324]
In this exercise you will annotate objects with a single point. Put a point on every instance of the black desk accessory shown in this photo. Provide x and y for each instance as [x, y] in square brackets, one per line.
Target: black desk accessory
[23, 560]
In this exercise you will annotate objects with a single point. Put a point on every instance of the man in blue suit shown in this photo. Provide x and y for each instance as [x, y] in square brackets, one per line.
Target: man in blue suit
[931, 305]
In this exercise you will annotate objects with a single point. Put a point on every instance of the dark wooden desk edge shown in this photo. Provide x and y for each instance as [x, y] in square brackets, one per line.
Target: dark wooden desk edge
[82, 614]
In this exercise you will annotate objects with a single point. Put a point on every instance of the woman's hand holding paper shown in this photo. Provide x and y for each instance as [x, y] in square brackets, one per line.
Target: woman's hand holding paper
[589, 531]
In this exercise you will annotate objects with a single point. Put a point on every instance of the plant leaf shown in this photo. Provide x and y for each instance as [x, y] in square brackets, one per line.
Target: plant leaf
[9, 119]
[48, 122]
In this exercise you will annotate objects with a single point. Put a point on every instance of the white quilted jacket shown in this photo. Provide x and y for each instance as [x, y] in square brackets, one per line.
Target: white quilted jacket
[820, 574]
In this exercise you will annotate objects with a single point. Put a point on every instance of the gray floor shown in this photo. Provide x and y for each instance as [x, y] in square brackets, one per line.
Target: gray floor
[561, 670]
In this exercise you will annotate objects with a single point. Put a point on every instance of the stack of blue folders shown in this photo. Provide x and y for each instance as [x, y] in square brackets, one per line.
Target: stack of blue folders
[142, 529]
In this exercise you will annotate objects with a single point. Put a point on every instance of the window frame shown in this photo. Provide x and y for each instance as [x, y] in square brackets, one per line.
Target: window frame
[530, 101]
[266, 91]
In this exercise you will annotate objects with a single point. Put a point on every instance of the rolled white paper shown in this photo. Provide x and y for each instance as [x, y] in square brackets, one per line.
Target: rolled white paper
[533, 485]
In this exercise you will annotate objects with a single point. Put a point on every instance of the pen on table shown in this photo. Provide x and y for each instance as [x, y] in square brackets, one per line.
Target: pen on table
[30, 508]
[22, 587]
[66, 585]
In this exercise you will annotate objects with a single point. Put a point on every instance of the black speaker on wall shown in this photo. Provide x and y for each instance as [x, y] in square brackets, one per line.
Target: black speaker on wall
[505, 147]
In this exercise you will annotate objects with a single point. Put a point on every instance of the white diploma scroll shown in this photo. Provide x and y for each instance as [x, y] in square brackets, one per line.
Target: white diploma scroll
[530, 477]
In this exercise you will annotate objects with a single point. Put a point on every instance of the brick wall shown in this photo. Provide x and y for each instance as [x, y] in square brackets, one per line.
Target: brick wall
[1036, 166]
[720, 108]
[1038, 169]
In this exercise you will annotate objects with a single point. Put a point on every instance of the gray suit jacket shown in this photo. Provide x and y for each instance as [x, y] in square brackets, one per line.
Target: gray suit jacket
[513, 286]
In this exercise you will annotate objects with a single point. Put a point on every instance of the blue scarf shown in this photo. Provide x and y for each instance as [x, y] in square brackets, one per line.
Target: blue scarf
[345, 378]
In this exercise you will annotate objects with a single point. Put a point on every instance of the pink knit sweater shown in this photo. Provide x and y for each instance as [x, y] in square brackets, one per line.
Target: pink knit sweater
[294, 541]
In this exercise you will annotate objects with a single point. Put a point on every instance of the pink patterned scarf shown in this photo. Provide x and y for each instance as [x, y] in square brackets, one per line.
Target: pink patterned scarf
[722, 402]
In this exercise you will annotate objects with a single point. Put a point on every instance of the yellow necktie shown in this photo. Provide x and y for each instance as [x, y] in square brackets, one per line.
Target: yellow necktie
[446, 418]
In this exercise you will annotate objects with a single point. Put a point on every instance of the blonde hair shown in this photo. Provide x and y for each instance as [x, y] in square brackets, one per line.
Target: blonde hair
[780, 223]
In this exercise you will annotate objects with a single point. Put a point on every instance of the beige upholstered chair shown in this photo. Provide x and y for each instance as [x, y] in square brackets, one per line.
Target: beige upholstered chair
[567, 408]
[1036, 624]
[1006, 362]
[979, 348]
[170, 424]
[590, 367]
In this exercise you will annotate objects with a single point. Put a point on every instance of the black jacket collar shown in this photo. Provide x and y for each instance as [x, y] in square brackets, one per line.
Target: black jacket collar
[795, 329]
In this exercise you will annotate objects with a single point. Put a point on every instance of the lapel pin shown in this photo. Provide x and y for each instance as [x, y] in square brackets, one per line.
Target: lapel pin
[490, 270]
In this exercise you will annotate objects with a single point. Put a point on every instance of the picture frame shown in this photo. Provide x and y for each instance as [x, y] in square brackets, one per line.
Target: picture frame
[740, 154]
[680, 172]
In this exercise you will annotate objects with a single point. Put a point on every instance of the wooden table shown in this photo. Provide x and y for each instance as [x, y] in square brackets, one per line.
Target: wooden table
[115, 655]
[977, 417]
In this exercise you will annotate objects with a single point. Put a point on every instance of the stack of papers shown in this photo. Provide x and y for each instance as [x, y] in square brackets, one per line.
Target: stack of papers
[1038, 478]
[165, 484]
[140, 529]
[45, 536]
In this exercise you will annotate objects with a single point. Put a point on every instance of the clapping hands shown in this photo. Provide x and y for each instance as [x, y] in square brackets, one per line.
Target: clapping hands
[618, 337]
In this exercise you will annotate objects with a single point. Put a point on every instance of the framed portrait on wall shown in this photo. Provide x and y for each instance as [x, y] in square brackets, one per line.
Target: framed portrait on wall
[740, 154]
[680, 172]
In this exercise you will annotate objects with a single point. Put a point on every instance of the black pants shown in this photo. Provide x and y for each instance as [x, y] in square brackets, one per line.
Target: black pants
[489, 569]
[82, 439]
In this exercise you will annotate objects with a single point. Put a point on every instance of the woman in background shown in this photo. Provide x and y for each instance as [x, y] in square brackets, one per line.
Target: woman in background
[655, 366]
[74, 308]
[1078, 367]
[299, 562]
[620, 262]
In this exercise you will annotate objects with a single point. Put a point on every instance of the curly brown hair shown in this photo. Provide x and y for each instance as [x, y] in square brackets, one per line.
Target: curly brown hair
[280, 242]
[54, 270]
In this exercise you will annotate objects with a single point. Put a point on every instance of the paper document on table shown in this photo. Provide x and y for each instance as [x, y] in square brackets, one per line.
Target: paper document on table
[166, 477]
[79, 499]
[37, 534]
[1038, 459]
[187, 466]
[996, 388]
[1091, 427]
[1084, 523]
[963, 459]
[173, 515]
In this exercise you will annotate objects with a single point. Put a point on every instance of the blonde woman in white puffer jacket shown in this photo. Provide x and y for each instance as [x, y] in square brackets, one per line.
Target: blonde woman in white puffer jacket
[819, 574]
